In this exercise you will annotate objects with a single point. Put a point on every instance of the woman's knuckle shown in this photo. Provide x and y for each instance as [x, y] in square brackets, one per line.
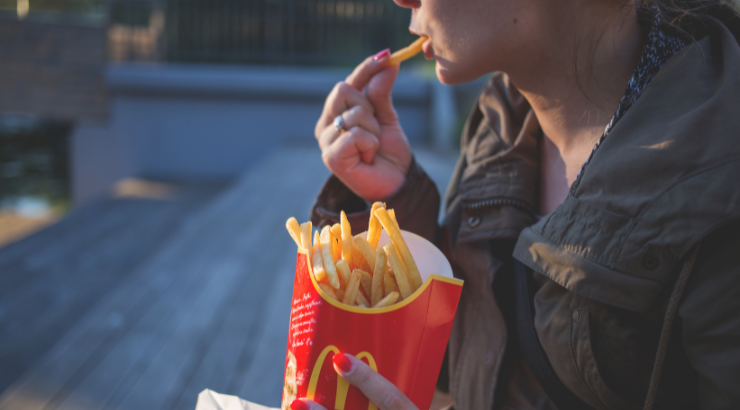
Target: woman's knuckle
[343, 88]
[329, 159]
[392, 400]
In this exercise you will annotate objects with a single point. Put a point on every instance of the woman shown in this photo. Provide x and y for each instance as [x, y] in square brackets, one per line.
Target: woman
[597, 229]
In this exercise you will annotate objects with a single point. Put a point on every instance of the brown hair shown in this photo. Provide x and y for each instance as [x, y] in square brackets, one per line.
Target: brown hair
[690, 17]
[690, 20]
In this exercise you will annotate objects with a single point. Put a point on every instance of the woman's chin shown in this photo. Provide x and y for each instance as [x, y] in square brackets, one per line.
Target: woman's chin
[449, 76]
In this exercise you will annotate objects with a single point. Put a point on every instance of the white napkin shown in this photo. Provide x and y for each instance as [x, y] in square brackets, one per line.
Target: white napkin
[210, 400]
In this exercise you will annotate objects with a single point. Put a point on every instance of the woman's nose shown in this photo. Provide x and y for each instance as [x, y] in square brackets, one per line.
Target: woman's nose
[410, 4]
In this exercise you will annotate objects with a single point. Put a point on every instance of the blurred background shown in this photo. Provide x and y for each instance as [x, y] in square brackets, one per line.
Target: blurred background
[150, 153]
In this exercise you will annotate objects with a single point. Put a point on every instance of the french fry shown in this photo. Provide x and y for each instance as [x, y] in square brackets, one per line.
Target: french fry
[376, 288]
[329, 291]
[403, 250]
[388, 300]
[367, 251]
[329, 267]
[389, 285]
[336, 245]
[353, 288]
[346, 238]
[306, 229]
[392, 214]
[344, 271]
[356, 271]
[358, 259]
[294, 230]
[404, 284]
[374, 227]
[362, 300]
[366, 281]
[407, 52]
[318, 263]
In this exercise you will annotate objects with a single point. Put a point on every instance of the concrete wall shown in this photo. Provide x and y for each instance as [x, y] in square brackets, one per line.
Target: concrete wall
[212, 122]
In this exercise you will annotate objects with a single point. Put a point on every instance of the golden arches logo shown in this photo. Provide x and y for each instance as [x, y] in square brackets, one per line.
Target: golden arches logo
[342, 385]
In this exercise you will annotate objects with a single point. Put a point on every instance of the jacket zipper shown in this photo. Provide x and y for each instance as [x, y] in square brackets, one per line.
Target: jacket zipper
[498, 202]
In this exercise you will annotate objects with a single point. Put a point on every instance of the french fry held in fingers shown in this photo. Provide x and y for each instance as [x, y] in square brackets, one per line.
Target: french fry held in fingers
[407, 52]
[294, 230]
[329, 267]
[403, 250]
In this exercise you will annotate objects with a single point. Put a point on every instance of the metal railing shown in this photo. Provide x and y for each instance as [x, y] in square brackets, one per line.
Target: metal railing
[293, 32]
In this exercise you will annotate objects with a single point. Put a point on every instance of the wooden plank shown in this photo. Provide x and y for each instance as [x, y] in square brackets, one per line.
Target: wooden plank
[207, 233]
[231, 351]
[87, 343]
[63, 291]
[261, 381]
[164, 381]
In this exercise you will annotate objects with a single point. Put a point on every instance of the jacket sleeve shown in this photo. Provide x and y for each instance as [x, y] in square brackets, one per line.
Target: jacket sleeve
[416, 205]
[710, 314]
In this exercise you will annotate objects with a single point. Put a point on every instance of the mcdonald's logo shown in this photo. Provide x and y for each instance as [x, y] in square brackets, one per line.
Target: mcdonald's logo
[342, 384]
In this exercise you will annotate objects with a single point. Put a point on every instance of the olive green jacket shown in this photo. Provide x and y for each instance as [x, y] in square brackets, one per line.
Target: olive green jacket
[667, 179]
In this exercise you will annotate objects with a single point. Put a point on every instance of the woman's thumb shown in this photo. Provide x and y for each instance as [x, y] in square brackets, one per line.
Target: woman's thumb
[379, 91]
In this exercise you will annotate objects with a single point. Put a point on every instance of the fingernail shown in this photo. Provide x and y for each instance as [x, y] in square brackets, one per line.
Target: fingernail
[342, 362]
[299, 405]
[382, 54]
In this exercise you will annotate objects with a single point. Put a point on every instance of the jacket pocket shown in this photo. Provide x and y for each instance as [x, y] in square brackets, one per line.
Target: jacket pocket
[586, 366]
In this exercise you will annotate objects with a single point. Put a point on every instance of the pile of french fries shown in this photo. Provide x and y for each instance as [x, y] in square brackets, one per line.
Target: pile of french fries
[356, 271]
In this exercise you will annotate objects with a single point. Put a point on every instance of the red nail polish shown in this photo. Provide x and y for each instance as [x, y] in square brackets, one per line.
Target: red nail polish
[299, 405]
[382, 54]
[342, 362]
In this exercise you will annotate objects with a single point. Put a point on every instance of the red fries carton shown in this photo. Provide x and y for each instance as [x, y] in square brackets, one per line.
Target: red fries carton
[404, 342]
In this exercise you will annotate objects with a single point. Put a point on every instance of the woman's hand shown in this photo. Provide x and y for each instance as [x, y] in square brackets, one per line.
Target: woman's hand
[371, 154]
[379, 390]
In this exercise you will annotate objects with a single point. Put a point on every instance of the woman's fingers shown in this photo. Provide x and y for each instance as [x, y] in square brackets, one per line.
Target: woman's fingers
[305, 404]
[356, 116]
[378, 77]
[377, 388]
[359, 115]
[341, 98]
[360, 77]
[349, 148]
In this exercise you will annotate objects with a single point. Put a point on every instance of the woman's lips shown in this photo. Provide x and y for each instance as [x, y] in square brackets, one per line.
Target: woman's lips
[428, 50]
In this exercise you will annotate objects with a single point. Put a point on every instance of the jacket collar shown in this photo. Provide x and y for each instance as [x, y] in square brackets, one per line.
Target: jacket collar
[659, 183]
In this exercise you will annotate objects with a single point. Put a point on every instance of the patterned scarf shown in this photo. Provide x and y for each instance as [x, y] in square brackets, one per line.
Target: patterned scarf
[659, 48]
